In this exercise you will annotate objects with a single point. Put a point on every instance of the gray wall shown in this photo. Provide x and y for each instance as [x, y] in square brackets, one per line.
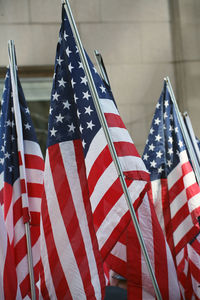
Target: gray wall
[141, 41]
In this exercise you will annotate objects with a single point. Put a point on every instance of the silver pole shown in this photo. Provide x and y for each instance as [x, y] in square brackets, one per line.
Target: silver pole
[101, 66]
[111, 145]
[185, 133]
[192, 135]
[13, 73]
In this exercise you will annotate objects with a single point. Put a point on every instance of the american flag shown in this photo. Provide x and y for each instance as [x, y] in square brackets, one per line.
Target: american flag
[12, 185]
[126, 257]
[176, 194]
[76, 139]
[9, 288]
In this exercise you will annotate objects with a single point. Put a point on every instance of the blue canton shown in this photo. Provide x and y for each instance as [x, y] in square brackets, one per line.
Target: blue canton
[72, 112]
[9, 163]
[165, 140]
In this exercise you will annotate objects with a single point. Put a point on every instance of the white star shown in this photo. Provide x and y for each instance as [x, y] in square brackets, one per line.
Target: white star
[153, 163]
[88, 110]
[81, 129]
[78, 113]
[86, 95]
[180, 143]
[171, 117]
[84, 80]
[8, 123]
[170, 151]
[158, 138]
[70, 67]
[170, 140]
[75, 98]
[27, 126]
[2, 148]
[158, 105]
[169, 163]
[90, 125]
[68, 51]
[62, 82]
[10, 168]
[151, 147]
[66, 104]
[27, 110]
[160, 170]
[166, 103]
[80, 65]
[50, 110]
[2, 161]
[159, 154]
[76, 49]
[165, 115]
[146, 156]
[59, 60]
[103, 89]
[71, 127]
[176, 129]
[7, 155]
[53, 132]
[151, 131]
[59, 40]
[55, 96]
[171, 128]
[65, 36]
[95, 70]
[157, 121]
[73, 82]
[59, 118]
[83, 143]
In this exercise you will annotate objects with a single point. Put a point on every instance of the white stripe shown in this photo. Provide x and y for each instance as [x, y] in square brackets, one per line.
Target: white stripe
[34, 176]
[178, 203]
[1, 180]
[189, 179]
[157, 201]
[19, 231]
[117, 212]
[182, 229]
[45, 262]
[119, 250]
[183, 157]
[174, 176]
[33, 148]
[3, 252]
[120, 135]
[69, 160]
[95, 149]
[61, 239]
[132, 163]
[108, 106]
[194, 202]
[108, 177]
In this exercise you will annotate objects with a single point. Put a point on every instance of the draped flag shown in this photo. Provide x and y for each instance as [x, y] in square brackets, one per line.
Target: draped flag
[9, 288]
[13, 188]
[126, 257]
[176, 194]
[80, 172]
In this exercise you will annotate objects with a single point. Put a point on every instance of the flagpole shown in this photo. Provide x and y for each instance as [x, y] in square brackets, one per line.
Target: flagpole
[104, 125]
[18, 121]
[101, 66]
[192, 135]
[186, 137]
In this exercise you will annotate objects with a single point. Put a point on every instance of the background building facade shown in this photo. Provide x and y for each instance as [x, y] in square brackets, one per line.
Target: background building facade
[141, 41]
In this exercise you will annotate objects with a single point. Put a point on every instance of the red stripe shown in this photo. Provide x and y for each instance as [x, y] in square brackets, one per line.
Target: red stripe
[23, 186]
[114, 120]
[180, 216]
[186, 238]
[7, 198]
[35, 189]
[9, 275]
[34, 162]
[100, 165]
[17, 210]
[70, 219]
[58, 277]
[126, 149]
[176, 189]
[20, 158]
[88, 210]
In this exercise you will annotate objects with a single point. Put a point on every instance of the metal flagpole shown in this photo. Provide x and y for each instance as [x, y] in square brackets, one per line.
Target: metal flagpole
[110, 144]
[185, 133]
[192, 135]
[101, 66]
[12, 63]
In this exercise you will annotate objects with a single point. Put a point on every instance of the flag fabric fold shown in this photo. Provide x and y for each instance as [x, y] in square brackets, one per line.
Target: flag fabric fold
[77, 149]
[13, 188]
[176, 194]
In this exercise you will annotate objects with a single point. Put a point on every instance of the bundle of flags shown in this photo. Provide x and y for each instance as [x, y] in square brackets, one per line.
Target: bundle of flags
[80, 225]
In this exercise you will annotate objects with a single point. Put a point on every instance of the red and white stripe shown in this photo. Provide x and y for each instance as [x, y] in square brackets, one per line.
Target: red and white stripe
[177, 204]
[110, 211]
[127, 259]
[9, 288]
[72, 266]
[14, 217]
